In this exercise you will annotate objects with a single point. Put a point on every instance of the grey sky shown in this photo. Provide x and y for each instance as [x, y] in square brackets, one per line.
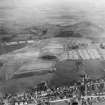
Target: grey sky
[17, 13]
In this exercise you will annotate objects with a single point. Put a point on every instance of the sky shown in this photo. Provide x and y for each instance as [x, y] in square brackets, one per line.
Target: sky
[21, 13]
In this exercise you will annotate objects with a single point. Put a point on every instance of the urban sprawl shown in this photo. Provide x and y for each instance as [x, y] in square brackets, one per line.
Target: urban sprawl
[83, 92]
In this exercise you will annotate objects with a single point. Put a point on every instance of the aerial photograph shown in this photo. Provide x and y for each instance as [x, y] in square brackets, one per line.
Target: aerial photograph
[52, 52]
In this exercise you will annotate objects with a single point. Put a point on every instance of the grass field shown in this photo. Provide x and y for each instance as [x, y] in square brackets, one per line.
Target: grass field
[6, 49]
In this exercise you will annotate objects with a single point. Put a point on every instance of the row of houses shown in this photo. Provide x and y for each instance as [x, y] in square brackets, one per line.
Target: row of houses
[71, 41]
[18, 42]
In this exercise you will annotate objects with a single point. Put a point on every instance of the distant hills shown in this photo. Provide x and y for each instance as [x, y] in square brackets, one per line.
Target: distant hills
[82, 29]
[79, 30]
